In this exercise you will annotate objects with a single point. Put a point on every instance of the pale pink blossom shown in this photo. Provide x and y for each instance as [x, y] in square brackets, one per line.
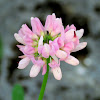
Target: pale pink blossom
[51, 40]
[54, 46]
[37, 26]
[18, 38]
[35, 70]
[23, 63]
[80, 46]
[72, 60]
[61, 54]
[57, 73]
[55, 67]
[53, 25]
[44, 69]
[46, 50]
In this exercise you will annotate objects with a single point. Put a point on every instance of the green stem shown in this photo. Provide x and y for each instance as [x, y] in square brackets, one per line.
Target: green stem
[44, 81]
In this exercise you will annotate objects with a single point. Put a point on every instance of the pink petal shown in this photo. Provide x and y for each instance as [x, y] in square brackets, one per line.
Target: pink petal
[52, 50]
[69, 35]
[67, 28]
[53, 64]
[57, 27]
[61, 54]
[49, 22]
[54, 45]
[26, 30]
[60, 42]
[57, 73]
[55, 58]
[75, 40]
[79, 33]
[23, 63]
[44, 69]
[40, 43]
[72, 60]
[18, 38]
[80, 46]
[68, 46]
[40, 48]
[21, 48]
[73, 27]
[70, 27]
[21, 33]
[28, 40]
[29, 50]
[23, 56]
[34, 70]
[37, 26]
[46, 50]
[40, 62]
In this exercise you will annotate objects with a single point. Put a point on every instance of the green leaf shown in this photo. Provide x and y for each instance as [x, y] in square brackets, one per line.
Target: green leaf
[17, 92]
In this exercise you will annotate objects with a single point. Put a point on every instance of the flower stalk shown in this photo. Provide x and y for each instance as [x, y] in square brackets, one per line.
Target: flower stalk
[44, 81]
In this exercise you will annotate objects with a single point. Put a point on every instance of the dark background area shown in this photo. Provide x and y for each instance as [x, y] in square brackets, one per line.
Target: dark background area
[78, 83]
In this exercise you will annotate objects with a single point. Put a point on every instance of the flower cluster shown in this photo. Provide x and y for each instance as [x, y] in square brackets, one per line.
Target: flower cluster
[51, 40]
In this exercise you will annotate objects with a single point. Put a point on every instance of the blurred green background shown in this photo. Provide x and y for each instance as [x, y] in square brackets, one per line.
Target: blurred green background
[78, 83]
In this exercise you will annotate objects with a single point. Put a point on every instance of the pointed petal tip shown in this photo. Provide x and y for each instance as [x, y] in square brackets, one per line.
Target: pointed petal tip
[19, 38]
[32, 18]
[58, 78]
[23, 63]
[20, 67]
[79, 33]
[15, 34]
[82, 30]
[80, 46]
[31, 75]
[23, 25]
[76, 63]
[53, 14]
[85, 43]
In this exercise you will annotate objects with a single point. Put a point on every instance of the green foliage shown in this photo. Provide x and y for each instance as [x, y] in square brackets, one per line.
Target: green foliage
[17, 92]
[36, 54]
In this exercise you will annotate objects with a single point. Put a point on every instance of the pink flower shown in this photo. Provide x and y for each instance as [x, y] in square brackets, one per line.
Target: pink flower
[46, 50]
[37, 27]
[53, 25]
[47, 41]
[72, 60]
[23, 63]
[53, 47]
[35, 70]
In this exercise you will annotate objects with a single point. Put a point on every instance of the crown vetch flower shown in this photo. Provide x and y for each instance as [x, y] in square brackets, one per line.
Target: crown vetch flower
[47, 41]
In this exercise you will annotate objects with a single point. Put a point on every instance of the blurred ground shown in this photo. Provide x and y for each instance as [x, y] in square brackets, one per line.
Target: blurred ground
[78, 83]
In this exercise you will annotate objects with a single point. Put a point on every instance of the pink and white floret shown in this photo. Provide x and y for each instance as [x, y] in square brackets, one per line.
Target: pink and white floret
[51, 40]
